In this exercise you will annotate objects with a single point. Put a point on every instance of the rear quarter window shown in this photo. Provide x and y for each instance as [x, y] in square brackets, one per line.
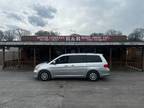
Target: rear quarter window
[93, 58]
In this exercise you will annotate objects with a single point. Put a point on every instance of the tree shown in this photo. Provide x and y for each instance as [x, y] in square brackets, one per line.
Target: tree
[15, 34]
[137, 35]
[113, 32]
[74, 34]
[46, 33]
[19, 32]
[1, 35]
[97, 34]
[9, 35]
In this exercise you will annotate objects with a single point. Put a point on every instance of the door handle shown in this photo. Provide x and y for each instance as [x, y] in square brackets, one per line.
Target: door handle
[69, 66]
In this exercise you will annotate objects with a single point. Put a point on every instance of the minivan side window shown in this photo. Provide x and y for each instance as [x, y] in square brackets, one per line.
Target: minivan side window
[62, 60]
[93, 58]
[77, 59]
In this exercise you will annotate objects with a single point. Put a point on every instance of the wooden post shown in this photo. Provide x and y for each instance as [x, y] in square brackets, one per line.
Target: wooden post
[65, 49]
[110, 58]
[34, 57]
[142, 59]
[50, 53]
[95, 50]
[79, 50]
[19, 57]
[126, 55]
[3, 58]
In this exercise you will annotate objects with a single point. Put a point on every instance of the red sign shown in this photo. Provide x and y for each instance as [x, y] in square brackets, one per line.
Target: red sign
[74, 38]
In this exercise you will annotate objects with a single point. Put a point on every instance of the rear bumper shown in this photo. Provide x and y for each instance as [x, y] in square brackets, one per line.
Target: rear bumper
[104, 74]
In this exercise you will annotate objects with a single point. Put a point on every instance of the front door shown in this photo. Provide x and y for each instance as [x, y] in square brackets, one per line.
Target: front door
[69, 66]
[60, 68]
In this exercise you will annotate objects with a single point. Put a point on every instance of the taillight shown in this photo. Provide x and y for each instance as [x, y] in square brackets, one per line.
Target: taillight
[106, 66]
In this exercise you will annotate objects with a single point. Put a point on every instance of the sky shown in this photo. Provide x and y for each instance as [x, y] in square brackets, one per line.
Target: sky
[72, 16]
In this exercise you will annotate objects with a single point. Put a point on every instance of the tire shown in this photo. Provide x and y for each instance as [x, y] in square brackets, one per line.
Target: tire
[93, 76]
[44, 75]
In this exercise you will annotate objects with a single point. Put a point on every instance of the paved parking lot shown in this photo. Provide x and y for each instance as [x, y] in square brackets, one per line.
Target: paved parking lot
[18, 89]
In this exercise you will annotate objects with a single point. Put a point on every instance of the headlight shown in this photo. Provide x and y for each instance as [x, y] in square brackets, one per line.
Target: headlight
[37, 67]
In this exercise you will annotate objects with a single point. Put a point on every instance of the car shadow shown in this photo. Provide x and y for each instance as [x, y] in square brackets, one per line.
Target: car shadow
[81, 79]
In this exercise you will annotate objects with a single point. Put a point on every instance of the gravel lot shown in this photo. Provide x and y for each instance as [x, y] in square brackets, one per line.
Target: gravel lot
[18, 89]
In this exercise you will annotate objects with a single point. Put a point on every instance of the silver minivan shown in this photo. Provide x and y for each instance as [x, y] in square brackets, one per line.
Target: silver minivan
[82, 65]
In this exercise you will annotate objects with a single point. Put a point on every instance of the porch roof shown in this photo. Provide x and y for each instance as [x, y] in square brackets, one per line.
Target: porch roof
[29, 43]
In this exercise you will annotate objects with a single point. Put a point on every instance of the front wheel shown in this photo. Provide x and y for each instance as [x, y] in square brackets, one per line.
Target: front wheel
[93, 76]
[44, 75]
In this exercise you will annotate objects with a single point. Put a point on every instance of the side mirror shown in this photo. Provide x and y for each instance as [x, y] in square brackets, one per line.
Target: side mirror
[54, 62]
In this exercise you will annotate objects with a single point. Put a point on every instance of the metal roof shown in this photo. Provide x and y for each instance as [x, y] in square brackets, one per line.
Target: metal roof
[20, 43]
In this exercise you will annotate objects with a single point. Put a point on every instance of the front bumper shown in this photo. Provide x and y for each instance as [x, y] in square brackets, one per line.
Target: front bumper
[35, 75]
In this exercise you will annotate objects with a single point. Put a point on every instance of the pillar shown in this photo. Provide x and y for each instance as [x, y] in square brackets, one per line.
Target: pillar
[126, 55]
[50, 53]
[110, 58]
[34, 57]
[95, 50]
[142, 59]
[78, 48]
[3, 58]
[65, 49]
[19, 57]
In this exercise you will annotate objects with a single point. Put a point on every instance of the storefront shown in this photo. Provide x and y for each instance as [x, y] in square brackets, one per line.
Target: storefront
[116, 49]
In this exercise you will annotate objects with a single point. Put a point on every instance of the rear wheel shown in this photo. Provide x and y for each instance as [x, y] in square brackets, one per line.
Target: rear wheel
[44, 75]
[93, 76]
